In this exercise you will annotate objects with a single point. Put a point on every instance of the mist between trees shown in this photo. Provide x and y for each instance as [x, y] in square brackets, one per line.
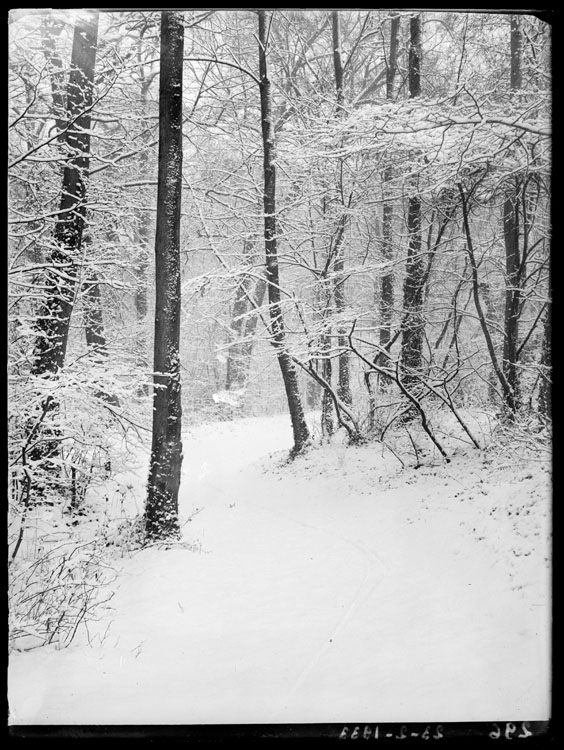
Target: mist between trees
[216, 214]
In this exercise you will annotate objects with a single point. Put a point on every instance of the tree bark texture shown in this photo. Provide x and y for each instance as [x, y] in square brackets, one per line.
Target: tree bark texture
[277, 328]
[161, 512]
[512, 298]
[545, 389]
[93, 316]
[516, 46]
[143, 231]
[339, 290]
[413, 322]
[51, 28]
[340, 297]
[393, 57]
[414, 56]
[511, 232]
[387, 281]
[337, 59]
[62, 278]
[413, 325]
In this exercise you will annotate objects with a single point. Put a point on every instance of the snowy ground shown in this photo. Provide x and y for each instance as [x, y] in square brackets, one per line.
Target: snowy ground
[342, 586]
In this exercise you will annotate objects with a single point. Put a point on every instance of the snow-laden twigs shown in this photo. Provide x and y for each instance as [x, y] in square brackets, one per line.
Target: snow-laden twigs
[50, 597]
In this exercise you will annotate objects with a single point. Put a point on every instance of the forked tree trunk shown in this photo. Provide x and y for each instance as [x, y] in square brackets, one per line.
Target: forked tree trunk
[161, 511]
[277, 327]
[61, 280]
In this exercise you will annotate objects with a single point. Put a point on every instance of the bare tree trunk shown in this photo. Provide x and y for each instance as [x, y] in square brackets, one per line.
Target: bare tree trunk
[339, 294]
[327, 421]
[387, 282]
[327, 405]
[277, 328]
[413, 323]
[339, 291]
[415, 56]
[161, 511]
[512, 297]
[516, 45]
[51, 28]
[93, 316]
[143, 236]
[511, 232]
[545, 390]
[54, 320]
[506, 388]
[387, 278]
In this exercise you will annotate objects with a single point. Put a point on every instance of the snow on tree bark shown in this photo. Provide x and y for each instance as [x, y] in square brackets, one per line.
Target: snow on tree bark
[512, 297]
[511, 233]
[387, 281]
[61, 279]
[277, 328]
[161, 511]
[339, 292]
[413, 324]
[545, 389]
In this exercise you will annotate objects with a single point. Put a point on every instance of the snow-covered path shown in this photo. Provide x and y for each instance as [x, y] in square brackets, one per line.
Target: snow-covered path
[329, 590]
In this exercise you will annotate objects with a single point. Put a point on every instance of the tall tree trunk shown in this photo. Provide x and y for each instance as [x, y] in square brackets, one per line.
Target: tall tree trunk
[51, 28]
[93, 316]
[516, 46]
[413, 323]
[340, 297]
[277, 328]
[143, 234]
[545, 389]
[327, 405]
[512, 297]
[54, 320]
[161, 511]
[415, 56]
[387, 282]
[387, 279]
[511, 232]
[339, 291]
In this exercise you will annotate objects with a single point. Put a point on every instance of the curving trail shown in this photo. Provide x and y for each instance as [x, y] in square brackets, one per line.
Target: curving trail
[314, 592]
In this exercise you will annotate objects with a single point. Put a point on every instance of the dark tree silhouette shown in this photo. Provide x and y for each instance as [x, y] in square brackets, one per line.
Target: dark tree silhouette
[277, 327]
[161, 512]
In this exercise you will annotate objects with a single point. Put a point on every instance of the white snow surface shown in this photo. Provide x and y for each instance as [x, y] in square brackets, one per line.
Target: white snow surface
[340, 586]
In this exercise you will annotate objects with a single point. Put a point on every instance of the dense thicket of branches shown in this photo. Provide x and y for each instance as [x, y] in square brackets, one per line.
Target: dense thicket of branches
[394, 166]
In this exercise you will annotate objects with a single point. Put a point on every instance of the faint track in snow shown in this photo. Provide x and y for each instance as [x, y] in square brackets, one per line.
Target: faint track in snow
[362, 594]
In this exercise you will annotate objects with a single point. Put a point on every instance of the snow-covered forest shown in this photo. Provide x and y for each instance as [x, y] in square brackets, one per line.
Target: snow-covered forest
[279, 342]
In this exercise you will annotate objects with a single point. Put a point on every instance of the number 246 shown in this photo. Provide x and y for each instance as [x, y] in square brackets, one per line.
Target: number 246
[510, 730]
